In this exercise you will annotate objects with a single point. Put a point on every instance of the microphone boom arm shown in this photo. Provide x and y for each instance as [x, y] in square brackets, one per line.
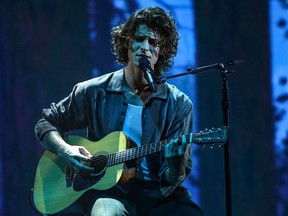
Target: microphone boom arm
[207, 68]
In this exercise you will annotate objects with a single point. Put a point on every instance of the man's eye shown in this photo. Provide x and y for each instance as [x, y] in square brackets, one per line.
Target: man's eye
[153, 41]
[139, 38]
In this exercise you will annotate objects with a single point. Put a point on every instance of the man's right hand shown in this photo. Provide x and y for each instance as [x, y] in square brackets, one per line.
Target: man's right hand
[74, 155]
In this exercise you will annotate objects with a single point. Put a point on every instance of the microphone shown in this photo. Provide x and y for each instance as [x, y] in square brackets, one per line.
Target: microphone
[145, 66]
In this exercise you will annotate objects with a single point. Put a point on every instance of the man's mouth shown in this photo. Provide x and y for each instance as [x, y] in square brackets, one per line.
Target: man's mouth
[142, 55]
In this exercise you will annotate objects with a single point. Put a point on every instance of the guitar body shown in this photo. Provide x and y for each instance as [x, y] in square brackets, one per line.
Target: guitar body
[51, 193]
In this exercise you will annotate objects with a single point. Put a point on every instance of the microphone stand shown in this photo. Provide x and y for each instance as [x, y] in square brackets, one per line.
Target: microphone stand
[226, 118]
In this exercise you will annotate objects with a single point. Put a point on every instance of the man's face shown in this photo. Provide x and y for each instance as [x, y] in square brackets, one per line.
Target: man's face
[145, 42]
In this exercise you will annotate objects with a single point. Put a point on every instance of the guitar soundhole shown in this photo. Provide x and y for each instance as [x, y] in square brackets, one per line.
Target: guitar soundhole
[99, 163]
[82, 182]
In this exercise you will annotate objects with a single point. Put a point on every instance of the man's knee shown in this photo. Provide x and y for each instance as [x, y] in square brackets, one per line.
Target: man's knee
[108, 207]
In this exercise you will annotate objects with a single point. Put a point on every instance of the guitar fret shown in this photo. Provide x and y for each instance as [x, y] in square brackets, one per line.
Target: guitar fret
[138, 152]
[132, 154]
[121, 156]
[116, 158]
[109, 160]
[113, 159]
[129, 154]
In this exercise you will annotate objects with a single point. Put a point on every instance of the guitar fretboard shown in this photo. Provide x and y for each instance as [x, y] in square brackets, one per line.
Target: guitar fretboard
[136, 152]
[214, 135]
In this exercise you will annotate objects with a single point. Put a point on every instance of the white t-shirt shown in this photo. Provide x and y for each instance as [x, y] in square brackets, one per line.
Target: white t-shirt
[133, 129]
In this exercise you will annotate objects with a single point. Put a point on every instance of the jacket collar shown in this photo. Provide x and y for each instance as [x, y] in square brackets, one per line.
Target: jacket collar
[117, 84]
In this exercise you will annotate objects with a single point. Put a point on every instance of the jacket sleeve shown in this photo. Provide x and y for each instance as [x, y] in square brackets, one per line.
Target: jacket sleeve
[65, 115]
[182, 125]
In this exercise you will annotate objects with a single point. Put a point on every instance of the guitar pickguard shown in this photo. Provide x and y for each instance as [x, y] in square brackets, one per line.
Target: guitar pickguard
[83, 182]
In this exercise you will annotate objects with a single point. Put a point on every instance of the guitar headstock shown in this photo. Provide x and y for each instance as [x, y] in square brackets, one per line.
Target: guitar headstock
[211, 136]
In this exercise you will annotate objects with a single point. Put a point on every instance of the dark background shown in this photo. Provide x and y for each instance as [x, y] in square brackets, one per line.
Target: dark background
[45, 49]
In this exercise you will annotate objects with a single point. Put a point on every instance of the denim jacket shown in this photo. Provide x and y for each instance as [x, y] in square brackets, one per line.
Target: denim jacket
[100, 105]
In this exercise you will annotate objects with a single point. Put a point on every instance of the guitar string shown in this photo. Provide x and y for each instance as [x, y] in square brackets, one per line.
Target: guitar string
[136, 152]
[132, 153]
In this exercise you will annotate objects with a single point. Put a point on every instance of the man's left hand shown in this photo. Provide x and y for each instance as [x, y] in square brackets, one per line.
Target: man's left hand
[176, 156]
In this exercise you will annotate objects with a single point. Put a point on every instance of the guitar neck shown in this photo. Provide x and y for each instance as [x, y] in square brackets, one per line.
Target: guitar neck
[136, 152]
[212, 136]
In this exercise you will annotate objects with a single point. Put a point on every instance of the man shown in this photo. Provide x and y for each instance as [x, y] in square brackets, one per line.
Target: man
[129, 101]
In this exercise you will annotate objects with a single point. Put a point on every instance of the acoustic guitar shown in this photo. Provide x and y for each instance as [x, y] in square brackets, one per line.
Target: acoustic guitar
[56, 186]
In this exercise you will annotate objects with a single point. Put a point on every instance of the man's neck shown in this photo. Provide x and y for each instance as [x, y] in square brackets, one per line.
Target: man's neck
[137, 82]
[135, 79]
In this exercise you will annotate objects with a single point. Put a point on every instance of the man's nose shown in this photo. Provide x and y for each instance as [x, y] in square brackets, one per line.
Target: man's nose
[145, 45]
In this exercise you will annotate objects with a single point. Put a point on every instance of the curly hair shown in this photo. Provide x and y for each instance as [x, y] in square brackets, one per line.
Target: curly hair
[160, 21]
